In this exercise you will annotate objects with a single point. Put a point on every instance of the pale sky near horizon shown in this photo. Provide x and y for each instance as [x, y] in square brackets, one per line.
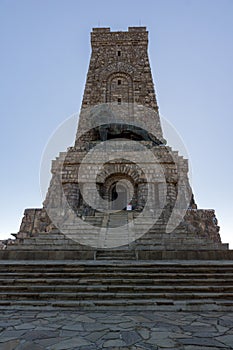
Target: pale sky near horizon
[45, 51]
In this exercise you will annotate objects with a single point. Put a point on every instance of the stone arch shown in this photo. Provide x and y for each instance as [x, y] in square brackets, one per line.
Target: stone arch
[118, 67]
[119, 88]
[122, 168]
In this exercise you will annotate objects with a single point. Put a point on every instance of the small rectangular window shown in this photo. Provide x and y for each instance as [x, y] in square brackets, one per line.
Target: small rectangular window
[119, 100]
[119, 82]
[119, 53]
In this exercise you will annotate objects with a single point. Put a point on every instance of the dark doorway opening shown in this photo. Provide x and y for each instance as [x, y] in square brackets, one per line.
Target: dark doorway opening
[119, 197]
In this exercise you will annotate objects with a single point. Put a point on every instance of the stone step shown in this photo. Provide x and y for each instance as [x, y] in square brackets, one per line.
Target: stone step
[191, 247]
[111, 284]
[131, 305]
[86, 289]
[45, 241]
[87, 253]
[51, 280]
[92, 277]
[173, 236]
[52, 295]
[81, 231]
[44, 247]
[123, 272]
[106, 257]
[116, 254]
[38, 244]
[181, 267]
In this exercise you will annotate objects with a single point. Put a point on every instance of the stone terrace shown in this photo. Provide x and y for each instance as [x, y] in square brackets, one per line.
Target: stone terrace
[57, 330]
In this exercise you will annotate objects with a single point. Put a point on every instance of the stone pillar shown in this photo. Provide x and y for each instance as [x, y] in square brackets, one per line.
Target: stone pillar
[72, 194]
[162, 189]
[142, 194]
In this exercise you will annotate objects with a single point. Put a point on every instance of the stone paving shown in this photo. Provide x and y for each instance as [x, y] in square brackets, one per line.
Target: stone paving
[59, 329]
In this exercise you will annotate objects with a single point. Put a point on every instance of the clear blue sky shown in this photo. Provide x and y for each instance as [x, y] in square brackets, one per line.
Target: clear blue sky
[45, 52]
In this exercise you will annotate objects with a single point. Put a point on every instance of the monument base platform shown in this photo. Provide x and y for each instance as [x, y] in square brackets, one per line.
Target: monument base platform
[123, 255]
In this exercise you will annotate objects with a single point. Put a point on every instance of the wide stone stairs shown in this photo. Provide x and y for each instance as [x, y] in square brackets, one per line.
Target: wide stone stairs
[118, 229]
[131, 285]
[116, 254]
[179, 239]
[115, 236]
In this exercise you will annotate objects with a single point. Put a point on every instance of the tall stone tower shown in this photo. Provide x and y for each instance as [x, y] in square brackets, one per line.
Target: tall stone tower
[120, 187]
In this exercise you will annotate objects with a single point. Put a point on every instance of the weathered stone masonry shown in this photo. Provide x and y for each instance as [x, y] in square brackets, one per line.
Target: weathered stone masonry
[119, 83]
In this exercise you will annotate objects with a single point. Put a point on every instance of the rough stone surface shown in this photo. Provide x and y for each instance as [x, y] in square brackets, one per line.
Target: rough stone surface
[146, 330]
[119, 83]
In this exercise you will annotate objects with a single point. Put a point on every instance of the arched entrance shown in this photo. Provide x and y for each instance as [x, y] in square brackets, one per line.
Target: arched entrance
[119, 189]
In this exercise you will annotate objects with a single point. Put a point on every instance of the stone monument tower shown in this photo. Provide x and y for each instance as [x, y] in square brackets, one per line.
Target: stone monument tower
[120, 188]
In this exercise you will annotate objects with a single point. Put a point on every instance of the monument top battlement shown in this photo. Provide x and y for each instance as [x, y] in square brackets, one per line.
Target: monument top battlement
[105, 34]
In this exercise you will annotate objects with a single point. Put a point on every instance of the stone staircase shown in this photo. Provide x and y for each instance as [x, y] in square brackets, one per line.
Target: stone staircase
[180, 239]
[115, 236]
[117, 219]
[116, 255]
[198, 230]
[117, 230]
[131, 285]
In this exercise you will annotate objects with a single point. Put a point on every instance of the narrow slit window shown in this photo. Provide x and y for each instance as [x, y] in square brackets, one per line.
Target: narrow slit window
[119, 100]
[118, 53]
[119, 82]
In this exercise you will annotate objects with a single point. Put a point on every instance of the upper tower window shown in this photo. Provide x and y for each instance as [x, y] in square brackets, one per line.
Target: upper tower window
[118, 53]
[119, 82]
